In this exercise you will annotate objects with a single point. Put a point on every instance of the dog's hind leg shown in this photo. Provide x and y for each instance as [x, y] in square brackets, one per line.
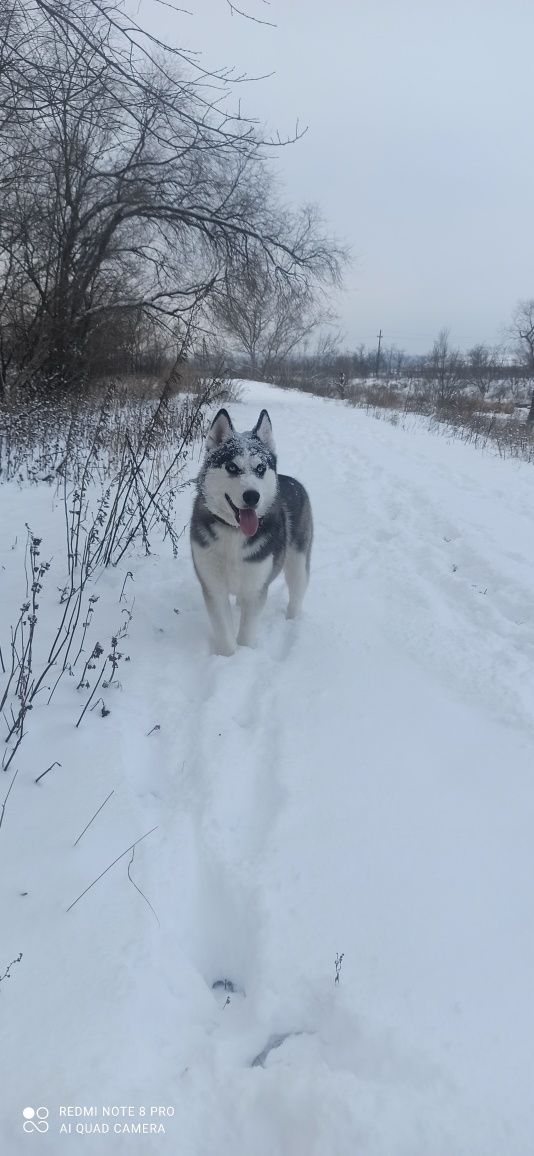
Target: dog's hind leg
[296, 573]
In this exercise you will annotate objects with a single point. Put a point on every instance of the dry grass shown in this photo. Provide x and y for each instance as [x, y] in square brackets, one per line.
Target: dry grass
[499, 424]
[482, 423]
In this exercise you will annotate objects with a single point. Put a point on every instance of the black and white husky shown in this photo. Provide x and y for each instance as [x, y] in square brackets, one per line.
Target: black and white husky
[248, 524]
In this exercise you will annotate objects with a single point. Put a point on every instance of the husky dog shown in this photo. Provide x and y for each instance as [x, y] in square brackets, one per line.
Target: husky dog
[248, 524]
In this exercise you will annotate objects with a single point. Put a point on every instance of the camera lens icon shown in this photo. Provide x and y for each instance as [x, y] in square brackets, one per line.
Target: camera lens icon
[35, 1119]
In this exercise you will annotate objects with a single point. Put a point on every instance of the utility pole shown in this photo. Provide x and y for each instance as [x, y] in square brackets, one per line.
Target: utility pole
[379, 335]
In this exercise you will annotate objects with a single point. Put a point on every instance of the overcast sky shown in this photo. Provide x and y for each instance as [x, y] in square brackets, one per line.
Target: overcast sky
[419, 149]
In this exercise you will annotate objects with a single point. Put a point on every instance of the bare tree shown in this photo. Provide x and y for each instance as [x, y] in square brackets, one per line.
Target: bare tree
[483, 368]
[521, 330]
[443, 369]
[267, 311]
[393, 359]
[127, 188]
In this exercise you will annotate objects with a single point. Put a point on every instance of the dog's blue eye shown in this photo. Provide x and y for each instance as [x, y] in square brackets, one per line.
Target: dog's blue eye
[260, 470]
[232, 469]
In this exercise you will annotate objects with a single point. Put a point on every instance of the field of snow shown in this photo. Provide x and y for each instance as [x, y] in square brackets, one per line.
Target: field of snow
[360, 783]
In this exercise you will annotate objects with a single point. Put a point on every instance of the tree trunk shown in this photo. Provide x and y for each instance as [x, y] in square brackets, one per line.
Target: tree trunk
[530, 416]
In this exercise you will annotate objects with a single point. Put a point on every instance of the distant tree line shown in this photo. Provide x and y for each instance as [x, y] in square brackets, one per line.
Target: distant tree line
[445, 374]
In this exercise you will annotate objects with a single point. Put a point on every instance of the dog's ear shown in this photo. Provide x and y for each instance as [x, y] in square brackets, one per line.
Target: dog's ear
[263, 430]
[220, 430]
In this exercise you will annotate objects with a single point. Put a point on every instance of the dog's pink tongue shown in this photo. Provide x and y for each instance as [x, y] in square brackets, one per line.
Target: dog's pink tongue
[248, 522]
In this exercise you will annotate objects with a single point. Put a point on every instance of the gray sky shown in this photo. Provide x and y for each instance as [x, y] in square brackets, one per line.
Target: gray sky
[419, 150]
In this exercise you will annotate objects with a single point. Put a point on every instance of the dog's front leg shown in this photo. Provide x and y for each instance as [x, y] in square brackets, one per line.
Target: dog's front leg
[251, 608]
[220, 612]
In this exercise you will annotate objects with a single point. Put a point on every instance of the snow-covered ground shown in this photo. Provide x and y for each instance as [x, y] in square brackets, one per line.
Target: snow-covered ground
[360, 783]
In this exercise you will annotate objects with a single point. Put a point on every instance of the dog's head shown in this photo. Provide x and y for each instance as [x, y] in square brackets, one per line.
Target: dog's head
[238, 479]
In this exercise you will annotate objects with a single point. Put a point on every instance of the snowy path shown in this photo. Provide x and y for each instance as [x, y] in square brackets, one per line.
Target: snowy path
[362, 782]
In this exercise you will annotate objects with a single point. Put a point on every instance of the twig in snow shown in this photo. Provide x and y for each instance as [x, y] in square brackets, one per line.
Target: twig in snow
[94, 816]
[94, 690]
[90, 665]
[52, 765]
[8, 756]
[3, 807]
[128, 575]
[104, 711]
[7, 974]
[139, 889]
[102, 873]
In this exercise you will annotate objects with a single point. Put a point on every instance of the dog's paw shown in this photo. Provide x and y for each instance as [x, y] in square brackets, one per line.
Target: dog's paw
[245, 641]
[225, 649]
[293, 612]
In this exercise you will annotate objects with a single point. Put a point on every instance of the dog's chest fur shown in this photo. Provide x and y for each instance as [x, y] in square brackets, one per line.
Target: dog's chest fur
[231, 555]
[241, 565]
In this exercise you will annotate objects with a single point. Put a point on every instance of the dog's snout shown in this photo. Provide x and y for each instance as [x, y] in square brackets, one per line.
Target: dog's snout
[251, 497]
